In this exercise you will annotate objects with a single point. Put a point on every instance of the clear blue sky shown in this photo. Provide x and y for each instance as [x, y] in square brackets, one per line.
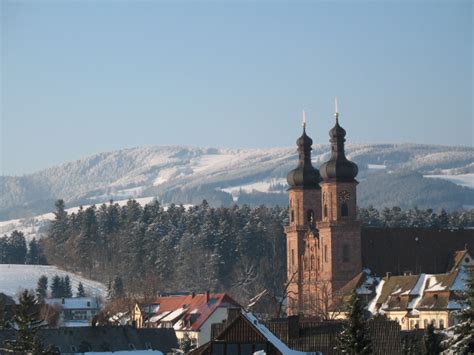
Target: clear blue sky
[81, 77]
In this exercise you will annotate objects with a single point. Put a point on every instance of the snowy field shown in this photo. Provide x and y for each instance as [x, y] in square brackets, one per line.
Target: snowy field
[14, 278]
[466, 180]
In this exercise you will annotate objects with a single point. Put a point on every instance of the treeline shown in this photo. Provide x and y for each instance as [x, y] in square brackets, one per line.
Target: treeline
[14, 250]
[237, 249]
[153, 249]
[395, 217]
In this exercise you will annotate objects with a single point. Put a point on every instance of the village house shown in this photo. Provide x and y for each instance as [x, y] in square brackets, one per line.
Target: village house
[75, 311]
[190, 315]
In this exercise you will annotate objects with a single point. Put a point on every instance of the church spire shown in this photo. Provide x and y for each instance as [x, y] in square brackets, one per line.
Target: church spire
[305, 175]
[338, 167]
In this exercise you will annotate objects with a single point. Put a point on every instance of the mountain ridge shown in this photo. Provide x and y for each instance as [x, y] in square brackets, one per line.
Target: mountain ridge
[175, 170]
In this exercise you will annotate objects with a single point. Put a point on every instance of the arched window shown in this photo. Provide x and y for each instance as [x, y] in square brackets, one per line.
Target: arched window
[310, 217]
[344, 209]
[292, 218]
[325, 211]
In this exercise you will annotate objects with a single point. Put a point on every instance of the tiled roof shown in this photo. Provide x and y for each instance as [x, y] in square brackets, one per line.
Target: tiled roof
[191, 310]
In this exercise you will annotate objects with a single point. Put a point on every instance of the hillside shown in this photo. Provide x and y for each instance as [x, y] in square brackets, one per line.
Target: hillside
[189, 174]
[14, 278]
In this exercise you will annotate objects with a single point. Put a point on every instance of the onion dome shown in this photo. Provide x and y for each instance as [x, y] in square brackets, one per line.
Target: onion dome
[338, 167]
[305, 175]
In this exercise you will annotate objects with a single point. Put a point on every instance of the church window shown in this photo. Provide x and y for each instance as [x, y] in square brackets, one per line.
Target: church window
[344, 209]
[441, 324]
[292, 259]
[292, 216]
[425, 323]
[312, 262]
[325, 211]
[345, 253]
[325, 253]
[310, 217]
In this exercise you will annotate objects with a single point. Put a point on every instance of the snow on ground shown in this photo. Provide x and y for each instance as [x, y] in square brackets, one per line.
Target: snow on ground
[14, 278]
[466, 180]
[260, 186]
[376, 166]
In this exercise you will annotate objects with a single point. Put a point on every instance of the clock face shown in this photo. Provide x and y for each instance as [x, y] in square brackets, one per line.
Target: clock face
[344, 196]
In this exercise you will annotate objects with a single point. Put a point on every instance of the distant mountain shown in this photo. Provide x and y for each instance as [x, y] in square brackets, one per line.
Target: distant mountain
[390, 174]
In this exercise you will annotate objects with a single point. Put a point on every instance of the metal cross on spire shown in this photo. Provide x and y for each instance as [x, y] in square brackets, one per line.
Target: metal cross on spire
[304, 120]
[336, 113]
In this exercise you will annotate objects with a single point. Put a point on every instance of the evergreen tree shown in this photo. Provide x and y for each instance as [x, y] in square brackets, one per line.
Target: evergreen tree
[56, 287]
[28, 323]
[432, 341]
[117, 287]
[81, 292]
[463, 340]
[3, 320]
[16, 248]
[59, 230]
[33, 255]
[67, 289]
[42, 289]
[355, 336]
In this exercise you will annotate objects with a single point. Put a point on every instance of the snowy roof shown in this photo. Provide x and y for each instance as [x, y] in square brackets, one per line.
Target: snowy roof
[189, 312]
[74, 302]
[275, 341]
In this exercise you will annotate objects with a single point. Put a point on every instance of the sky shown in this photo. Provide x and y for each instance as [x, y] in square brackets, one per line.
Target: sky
[83, 77]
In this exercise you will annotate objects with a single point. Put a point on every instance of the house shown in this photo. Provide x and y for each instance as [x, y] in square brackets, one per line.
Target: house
[78, 340]
[189, 315]
[75, 311]
[242, 333]
[414, 301]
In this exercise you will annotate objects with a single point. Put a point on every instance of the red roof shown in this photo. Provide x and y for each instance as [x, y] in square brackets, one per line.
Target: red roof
[198, 308]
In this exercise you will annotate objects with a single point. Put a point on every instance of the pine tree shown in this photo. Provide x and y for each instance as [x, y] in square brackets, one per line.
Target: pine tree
[42, 288]
[26, 319]
[59, 230]
[117, 288]
[355, 336]
[33, 255]
[80, 290]
[56, 287]
[463, 341]
[432, 341]
[67, 290]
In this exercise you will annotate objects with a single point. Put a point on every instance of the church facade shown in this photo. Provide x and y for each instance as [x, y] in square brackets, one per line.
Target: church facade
[323, 233]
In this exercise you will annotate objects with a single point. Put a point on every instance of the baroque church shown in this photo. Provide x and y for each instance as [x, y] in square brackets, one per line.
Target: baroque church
[327, 248]
[323, 235]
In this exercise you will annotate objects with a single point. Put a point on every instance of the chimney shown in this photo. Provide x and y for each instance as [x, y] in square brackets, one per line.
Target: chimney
[207, 296]
[193, 294]
[293, 327]
[388, 275]
[407, 273]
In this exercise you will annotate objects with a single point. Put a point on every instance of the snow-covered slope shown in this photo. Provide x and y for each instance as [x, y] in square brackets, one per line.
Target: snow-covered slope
[178, 174]
[14, 278]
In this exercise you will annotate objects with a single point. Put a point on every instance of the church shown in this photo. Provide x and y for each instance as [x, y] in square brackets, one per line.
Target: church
[327, 248]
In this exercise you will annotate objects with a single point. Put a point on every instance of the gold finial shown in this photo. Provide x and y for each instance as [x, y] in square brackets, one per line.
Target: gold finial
[336, 103]
[304, 120]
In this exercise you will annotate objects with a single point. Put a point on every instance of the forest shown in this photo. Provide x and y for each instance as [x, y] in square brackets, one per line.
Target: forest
[153, 249]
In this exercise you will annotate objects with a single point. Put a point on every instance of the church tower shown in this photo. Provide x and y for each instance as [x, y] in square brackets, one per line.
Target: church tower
[339, 228]
[304, 211]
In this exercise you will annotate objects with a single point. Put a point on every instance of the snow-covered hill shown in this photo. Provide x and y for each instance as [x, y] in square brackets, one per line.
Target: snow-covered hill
[14, 278]
[188, 174]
